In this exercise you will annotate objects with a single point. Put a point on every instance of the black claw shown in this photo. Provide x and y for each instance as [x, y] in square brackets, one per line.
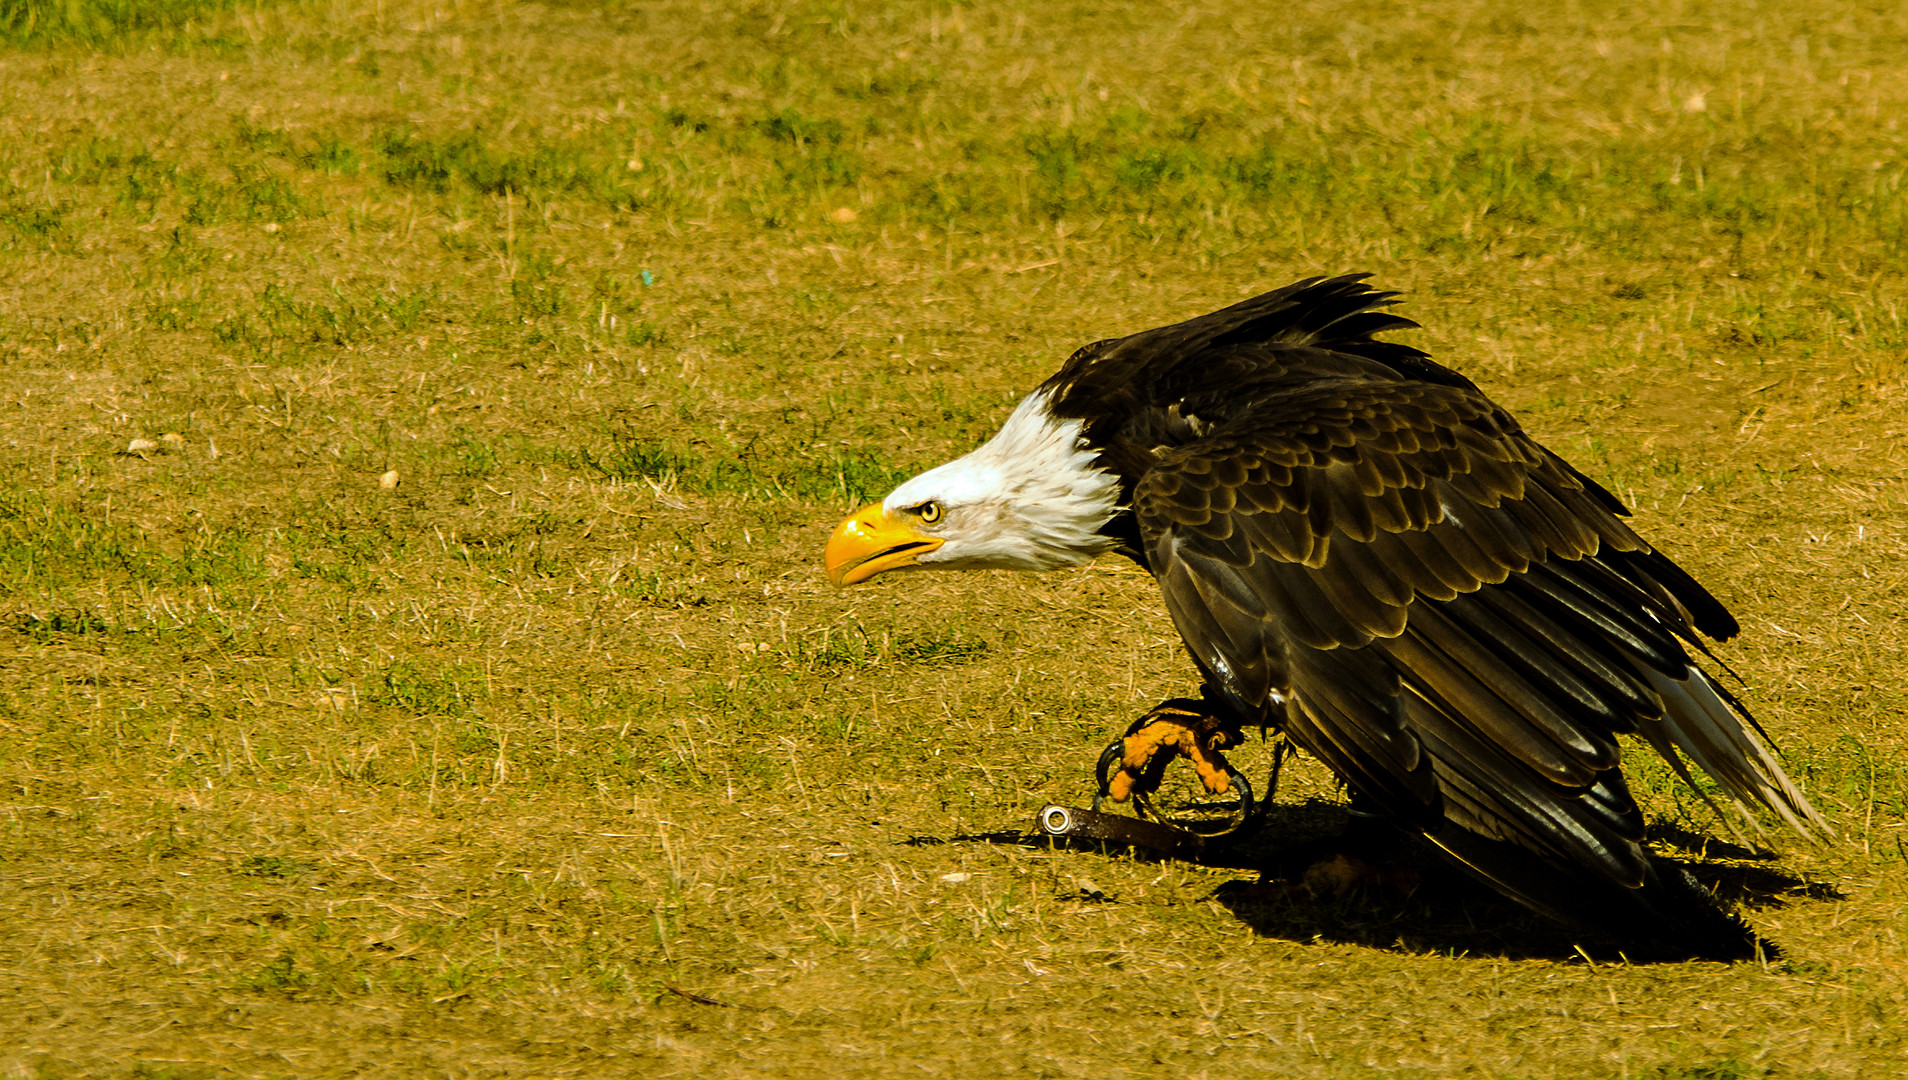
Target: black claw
[1103, 771]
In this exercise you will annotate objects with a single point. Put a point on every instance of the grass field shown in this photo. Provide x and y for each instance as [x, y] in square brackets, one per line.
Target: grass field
[560, 758]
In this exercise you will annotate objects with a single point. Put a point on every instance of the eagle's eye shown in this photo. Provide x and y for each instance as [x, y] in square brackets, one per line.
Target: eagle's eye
[930, 512]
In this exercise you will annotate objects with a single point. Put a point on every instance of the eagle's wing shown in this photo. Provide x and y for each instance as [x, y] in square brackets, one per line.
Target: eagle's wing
[1450, 616]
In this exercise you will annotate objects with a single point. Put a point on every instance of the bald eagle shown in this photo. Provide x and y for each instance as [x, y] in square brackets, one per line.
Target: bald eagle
[1364, 552]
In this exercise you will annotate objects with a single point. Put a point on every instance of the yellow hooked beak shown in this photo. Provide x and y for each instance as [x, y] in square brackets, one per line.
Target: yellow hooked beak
[870, 542]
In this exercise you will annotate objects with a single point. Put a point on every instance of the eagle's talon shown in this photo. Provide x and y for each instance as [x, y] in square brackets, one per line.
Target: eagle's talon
[1103, 771]
[1168, 732]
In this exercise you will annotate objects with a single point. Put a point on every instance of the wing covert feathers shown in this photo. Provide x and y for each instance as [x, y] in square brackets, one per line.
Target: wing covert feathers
[1358, 545]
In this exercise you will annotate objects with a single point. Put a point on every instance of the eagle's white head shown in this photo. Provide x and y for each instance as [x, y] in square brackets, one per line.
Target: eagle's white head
[1030, 498]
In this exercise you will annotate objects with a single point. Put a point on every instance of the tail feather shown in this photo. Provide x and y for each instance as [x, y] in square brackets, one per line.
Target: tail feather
[1698, 720]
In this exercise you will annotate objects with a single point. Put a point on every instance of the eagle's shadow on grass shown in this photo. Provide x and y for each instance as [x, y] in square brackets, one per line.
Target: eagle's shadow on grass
[1431, 906]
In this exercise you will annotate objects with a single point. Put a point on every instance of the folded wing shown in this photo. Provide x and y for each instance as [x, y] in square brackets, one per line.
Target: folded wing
[1451, 617]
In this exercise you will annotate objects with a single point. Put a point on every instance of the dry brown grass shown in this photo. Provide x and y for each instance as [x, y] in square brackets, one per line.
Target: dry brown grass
[561, 759]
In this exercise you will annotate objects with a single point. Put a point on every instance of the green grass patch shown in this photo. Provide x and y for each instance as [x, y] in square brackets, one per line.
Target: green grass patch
[830, 475]
[99, 24]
